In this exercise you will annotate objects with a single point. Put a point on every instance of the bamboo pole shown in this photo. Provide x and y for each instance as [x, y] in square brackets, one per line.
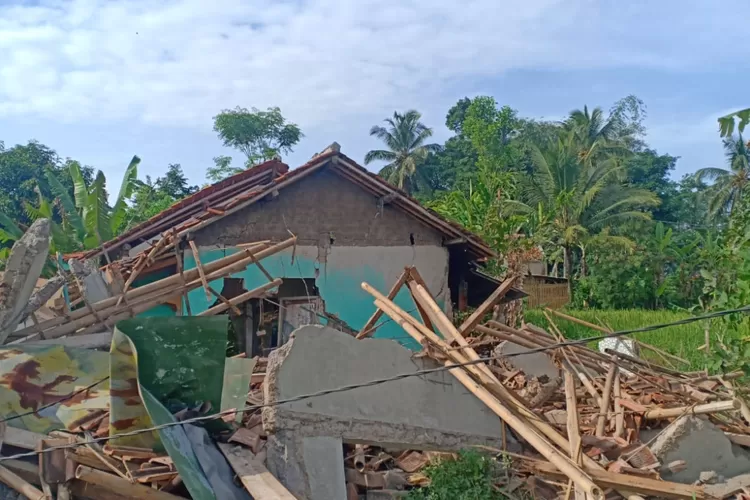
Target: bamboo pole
[659, 413]
[637, 361]
[166, 286]
[17, 483]
[120, 486]
[606, 398]
[547, 339]
[225, 301]
[576, 320]
[607, 330]
[517, 423]
[165, 283]
[526, 340]
[256, 292]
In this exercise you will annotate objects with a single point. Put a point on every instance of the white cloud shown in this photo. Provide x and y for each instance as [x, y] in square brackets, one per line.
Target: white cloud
[178, 62]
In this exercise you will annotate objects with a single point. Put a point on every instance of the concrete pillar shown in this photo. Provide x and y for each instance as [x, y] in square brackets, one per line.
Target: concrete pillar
[24, 266]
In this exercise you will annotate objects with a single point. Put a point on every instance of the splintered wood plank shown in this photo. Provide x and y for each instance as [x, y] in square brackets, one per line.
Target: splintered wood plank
[253, 474]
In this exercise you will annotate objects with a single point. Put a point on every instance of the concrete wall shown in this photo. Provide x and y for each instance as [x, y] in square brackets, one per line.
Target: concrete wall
[422, 412]
[319, 208]
[339, 272]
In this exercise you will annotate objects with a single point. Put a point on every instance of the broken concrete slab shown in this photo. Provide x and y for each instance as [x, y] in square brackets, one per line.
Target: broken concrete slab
[93, 285]
[432, 411]
[535, 364]
[325, 467]
[703, 447]
[42, 295]
[22, 270]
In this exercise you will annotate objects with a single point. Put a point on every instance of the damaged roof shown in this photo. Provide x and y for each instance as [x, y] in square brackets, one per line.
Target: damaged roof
[241, 190]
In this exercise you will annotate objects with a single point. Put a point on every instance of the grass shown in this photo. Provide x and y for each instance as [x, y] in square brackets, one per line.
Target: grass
[682, 341]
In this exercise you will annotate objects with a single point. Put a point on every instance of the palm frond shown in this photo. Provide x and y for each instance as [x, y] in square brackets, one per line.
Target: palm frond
[711, 174]
[380, 155]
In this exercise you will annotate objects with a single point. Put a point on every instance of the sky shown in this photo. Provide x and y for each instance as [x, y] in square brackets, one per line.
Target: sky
[102, 80]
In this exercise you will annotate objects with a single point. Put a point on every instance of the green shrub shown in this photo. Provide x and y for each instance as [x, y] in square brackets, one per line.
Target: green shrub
[470, 477]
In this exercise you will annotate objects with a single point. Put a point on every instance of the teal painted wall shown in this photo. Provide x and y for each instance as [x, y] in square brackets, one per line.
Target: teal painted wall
[161, 310]
[339, 286]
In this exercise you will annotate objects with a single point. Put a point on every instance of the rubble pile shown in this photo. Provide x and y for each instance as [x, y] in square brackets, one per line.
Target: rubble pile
[583, 416]
[98, 402]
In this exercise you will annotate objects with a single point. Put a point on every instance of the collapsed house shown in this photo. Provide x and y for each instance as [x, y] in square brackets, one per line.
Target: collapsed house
[350, 226]
[338, 291]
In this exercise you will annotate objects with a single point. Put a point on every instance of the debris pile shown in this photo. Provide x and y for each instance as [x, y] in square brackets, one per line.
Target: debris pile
[160, 411]
[584, 415]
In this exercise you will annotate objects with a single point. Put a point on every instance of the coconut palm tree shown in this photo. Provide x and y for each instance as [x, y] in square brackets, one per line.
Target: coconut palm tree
[729, 184]
[582, 195]
[405, 137]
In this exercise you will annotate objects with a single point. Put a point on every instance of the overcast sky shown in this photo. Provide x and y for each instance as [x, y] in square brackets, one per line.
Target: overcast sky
[101, 80]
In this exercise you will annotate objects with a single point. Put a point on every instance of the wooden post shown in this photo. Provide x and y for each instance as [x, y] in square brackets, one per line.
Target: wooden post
[571, 406]
[201, 273]
[476, 317]
[416, 278]
[619, 410]
[606, 398]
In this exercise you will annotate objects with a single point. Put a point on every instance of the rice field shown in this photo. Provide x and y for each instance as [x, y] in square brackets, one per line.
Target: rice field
[682, 341]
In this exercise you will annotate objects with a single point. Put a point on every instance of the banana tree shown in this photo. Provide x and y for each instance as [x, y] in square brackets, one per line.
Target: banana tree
[83, 221]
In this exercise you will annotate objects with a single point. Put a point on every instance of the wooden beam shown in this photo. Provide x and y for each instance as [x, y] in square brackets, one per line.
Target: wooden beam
[476, 317]
[20, 485]
[367, 329]
[254, 476]
[201, 272]
[417, 278]
[601, 420]
[256, 292]
[642, 485]
[22, 438]
[119, 485]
